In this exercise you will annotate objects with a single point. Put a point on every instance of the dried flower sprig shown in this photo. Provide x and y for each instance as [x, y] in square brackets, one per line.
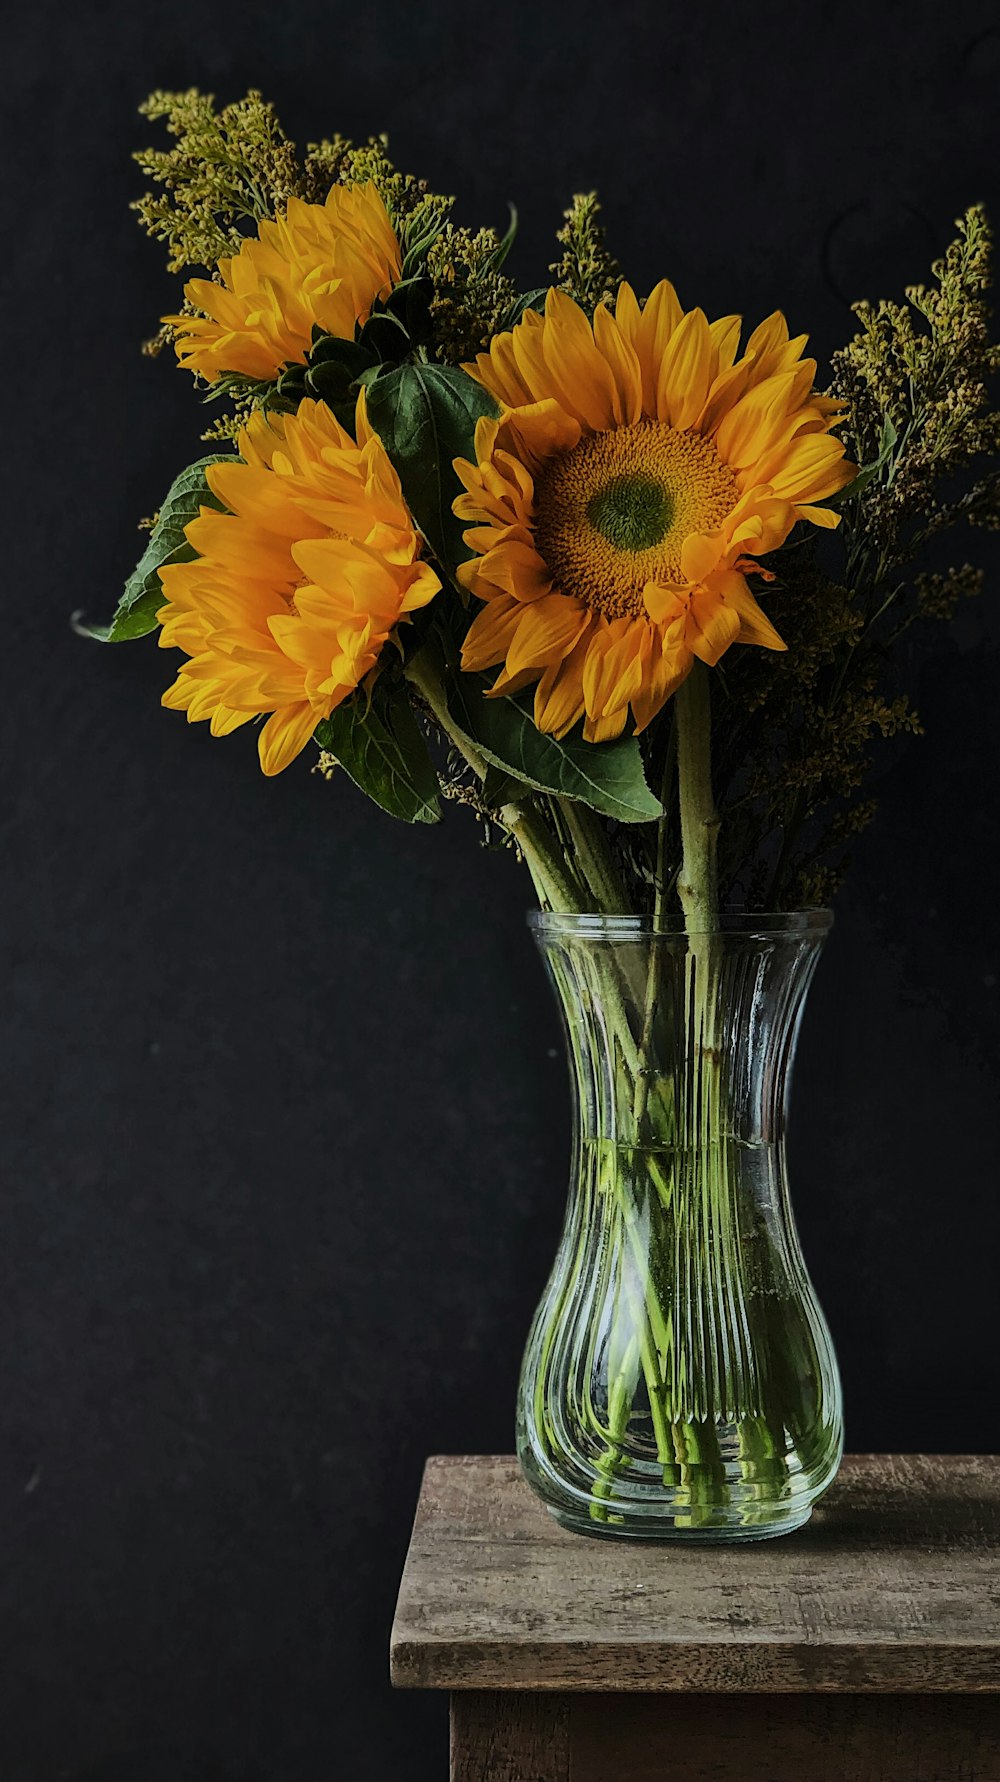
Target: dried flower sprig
[586, 269]
[228, 169]
[919, 413]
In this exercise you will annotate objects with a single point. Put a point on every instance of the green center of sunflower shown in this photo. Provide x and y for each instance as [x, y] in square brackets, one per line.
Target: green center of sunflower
[632, 512]
[612, 514]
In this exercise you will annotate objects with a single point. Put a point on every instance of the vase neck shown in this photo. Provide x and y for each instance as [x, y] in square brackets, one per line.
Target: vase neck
[678, 1041]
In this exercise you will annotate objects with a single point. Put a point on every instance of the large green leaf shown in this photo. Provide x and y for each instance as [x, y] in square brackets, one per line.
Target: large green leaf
[379, 745]
[143, 595]
[425, 416]
[606, 776]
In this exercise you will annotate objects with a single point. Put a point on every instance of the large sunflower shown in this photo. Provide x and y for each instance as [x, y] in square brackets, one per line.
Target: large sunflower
[318, 265]
[637, 469]
[295, 589]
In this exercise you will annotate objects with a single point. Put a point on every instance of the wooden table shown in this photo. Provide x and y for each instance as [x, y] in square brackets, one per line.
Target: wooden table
[863, 1648]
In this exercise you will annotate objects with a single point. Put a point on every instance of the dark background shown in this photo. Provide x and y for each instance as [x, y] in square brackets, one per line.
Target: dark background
[284, 1110]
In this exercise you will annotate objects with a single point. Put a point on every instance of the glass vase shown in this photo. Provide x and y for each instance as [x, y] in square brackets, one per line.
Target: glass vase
[679, 1380]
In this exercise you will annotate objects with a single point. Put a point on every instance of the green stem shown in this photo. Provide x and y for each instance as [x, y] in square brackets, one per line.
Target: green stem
[697, 885]
[553, 884]
[542, 858]
[420, 674]
[659, 910]
[594, 857]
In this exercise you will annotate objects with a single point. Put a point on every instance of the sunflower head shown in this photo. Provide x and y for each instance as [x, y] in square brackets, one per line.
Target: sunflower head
[639, 465]
[297, 587]
[319, 265]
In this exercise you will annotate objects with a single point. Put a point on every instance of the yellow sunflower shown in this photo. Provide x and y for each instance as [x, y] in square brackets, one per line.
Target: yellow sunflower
[637, 469]
[298, 586]
[319, 264]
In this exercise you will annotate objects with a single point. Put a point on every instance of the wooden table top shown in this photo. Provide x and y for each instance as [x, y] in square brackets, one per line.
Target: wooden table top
[894, 1586]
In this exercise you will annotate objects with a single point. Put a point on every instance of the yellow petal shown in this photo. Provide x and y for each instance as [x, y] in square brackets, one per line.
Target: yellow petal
[516, 569]
[507, 683]
[712, 626]
[743, 433]
[284, 736]
[663, 671]
[659, 319]
[542, 429]
[612, 670]
[424, 583]
[755, 626]
[547, 631]
[700, 554]
[581, 377]
[820, 516]
[725, 337]
[685, 372]
[623, 364]
[489, 636]
[559, 703]
[606, 729]
[811, 469]
[628, 315]
[663, 603]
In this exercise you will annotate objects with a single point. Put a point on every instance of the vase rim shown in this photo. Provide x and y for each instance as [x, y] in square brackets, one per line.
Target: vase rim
[763, 925]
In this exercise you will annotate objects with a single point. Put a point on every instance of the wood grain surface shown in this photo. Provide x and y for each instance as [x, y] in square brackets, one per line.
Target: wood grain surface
[510, 1737]
[779, 1738]
[893, 1586]
[543, 1736]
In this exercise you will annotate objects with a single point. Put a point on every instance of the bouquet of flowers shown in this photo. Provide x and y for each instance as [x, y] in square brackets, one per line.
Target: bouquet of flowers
[630, 587]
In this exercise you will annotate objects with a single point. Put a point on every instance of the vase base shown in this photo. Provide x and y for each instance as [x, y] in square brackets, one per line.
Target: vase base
[682, 1527]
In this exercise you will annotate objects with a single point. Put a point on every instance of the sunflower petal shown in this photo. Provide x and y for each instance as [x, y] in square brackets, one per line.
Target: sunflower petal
[559, 702]
[663, 672]
[284, 736]
[581, 376]
[546, 632]
[755, 626]
[623, 363]
[685, 372]
[490, 635]
[661, 316]
[712, 626]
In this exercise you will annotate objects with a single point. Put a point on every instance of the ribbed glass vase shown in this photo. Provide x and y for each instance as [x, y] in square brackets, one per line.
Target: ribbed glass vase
[679, 1379]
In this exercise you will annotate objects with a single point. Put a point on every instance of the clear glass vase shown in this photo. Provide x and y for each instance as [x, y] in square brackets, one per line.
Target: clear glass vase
[679, 1380]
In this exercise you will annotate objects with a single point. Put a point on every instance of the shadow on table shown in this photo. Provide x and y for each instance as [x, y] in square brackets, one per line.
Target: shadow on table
[892, 1518]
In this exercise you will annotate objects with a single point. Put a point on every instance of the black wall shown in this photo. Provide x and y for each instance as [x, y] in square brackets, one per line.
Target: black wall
[284, 1112]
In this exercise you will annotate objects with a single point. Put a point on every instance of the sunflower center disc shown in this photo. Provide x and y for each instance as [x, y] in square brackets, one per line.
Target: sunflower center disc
[613, 513]
[632, 512]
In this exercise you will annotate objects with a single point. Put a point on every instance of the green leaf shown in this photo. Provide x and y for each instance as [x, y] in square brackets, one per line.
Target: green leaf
[495, 260]
[425, 416]
[418, 248]
[379, 744]
[385, 336]
[530, 300]
[499, 787]
[333, 374]
[606, 776]
[869, 472]
[329, 349]
[410, 301]
[143, 596]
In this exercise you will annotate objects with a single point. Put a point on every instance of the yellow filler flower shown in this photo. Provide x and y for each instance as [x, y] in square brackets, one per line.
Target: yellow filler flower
[319, 264]
[637, 469]
[296, 589]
